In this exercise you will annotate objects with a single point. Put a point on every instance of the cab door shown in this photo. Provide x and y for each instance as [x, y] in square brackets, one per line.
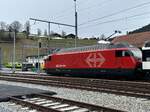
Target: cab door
[119, 55]
[125, 59]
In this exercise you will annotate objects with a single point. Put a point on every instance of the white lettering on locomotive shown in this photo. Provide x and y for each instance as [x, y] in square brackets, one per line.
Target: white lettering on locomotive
[60, 66]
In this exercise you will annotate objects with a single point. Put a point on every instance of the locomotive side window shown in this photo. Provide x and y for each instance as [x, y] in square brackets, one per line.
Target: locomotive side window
[118, 53]
[126, 53]
[49, 58]
[123, 53]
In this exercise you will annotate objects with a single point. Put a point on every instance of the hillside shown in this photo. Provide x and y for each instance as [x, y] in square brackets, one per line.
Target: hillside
[26, 47]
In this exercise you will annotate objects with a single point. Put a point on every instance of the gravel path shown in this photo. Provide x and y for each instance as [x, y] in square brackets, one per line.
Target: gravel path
[130, 104]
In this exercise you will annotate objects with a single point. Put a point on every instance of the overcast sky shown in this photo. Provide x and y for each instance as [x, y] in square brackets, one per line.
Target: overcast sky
[93, 15]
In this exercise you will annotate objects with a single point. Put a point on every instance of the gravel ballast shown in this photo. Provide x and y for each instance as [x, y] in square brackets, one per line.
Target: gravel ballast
[124, 103]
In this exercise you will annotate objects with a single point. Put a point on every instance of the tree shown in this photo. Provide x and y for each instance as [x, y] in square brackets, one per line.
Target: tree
[2, 26]
[27, 28]
[45, 32]
[16, 26]
[102, 37]
[63, 34]
[39, 32]
[9, 28]
[52, 32]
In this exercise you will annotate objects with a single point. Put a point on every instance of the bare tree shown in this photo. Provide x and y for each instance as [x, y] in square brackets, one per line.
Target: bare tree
[27, 28]
[2, 26]
[102, 37]
[45, 32]
[52, 32]
[16, 26]
[9, 28]
[63, 34]
[39, 32]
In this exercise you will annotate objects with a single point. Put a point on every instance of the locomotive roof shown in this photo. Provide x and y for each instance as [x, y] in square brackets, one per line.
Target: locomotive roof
[95, 47]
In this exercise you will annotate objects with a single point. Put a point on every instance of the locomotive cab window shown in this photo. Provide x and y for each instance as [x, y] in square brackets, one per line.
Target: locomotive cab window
[127, 53]
[118, 53]
[123, 53]
[49, 58]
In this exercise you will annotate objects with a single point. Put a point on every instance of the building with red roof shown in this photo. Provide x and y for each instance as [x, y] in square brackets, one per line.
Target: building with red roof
[136, 39]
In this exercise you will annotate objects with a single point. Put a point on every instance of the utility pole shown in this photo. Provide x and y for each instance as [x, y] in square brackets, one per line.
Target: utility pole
[49, 30]
[39, 47]
[14, 53]
[49, 36]
[22, 56]
[76, 23]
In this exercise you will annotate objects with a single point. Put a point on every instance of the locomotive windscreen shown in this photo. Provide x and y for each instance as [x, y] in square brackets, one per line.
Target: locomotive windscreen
[136, 53]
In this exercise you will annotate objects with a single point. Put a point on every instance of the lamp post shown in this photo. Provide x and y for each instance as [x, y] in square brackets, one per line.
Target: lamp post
[76, 23]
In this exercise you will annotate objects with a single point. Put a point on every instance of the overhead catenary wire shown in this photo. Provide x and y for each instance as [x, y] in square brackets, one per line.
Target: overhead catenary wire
[121, 29]
[115, 20]
[94, 6]
[133, 27]
[64, 15]
[115, 13]
[125, 28]
[68, 11]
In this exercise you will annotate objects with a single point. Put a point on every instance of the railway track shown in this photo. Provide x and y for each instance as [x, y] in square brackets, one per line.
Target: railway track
[128, 88]
[46, 103]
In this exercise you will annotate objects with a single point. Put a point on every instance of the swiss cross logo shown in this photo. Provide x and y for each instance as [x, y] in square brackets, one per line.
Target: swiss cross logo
[95, 60]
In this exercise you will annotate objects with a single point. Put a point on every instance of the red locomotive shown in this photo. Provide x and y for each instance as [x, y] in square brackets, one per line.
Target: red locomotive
[97, 60]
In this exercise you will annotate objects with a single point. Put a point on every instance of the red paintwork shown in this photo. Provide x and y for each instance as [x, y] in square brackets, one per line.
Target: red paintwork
[92, 59]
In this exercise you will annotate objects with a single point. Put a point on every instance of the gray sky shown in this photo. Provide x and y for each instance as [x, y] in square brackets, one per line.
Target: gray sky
[88, 10]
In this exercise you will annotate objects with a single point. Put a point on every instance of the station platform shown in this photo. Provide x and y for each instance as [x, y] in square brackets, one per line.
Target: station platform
[8, 91]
